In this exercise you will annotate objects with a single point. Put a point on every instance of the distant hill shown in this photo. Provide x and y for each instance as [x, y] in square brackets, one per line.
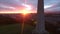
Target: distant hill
[16, 18]
[6, 20]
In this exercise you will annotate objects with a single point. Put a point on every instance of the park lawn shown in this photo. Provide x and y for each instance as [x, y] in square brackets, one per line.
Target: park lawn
[15, 29]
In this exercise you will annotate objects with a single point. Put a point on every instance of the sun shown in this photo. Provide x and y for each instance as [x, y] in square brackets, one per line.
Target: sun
[27, 9]
[24, 11]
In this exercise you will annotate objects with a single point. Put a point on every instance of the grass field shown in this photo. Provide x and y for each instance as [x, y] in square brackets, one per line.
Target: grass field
[15, 29]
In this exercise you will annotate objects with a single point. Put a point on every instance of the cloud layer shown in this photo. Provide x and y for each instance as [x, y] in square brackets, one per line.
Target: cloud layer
[14, 4]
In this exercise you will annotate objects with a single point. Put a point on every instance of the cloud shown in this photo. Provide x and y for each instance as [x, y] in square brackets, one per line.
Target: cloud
[6, 7]
[55, 5]
[9, 1]
[15, 4]
[9, 4]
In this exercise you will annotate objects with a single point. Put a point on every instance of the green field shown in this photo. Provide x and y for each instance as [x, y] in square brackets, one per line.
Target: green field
[15, 29]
